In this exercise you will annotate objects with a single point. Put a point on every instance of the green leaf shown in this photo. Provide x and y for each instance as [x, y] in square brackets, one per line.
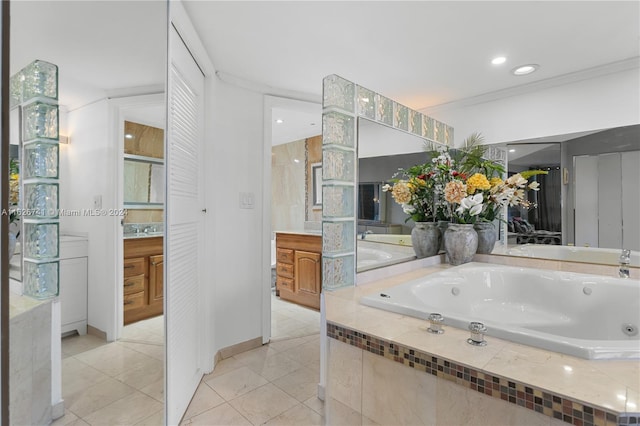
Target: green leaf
[528, 173]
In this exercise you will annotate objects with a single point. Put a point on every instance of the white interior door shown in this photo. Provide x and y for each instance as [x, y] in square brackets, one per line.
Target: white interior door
[609, 200]
[586, 200]
[630, 200]
[184, 229]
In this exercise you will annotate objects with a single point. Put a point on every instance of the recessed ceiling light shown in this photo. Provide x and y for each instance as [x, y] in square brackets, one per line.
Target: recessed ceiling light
[295, 160]
[279, 121]
[498, 60]
[128, 136]
[512, 150]
[525, 69]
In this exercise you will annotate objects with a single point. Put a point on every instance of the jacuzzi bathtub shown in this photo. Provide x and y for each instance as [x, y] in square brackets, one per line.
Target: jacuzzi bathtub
[569, 253]
[399, 239]
[372, 255]
[588, 316]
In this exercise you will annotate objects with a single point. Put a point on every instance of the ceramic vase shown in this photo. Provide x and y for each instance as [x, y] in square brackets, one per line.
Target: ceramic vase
[460, 243]
[486, 237]
[425, 239]
[442, 226]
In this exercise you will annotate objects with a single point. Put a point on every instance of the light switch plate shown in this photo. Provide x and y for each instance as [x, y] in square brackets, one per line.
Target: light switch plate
[247, 200]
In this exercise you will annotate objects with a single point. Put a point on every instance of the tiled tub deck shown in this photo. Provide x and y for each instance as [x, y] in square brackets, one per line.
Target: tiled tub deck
[387, 369]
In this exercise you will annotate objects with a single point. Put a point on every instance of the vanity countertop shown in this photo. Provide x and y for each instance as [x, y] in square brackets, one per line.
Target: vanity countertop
[302, 232]
[610, 384]
[140, 235]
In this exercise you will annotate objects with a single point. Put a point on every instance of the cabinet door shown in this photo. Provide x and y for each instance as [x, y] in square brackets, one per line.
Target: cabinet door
[156, 279]
[307, 272]
[73, 291]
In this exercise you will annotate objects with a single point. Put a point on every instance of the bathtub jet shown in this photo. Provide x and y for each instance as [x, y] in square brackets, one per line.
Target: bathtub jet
[588, 316]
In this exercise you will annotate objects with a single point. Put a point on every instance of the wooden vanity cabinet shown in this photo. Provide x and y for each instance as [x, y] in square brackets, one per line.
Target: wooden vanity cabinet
[298, 268]
[143, 278]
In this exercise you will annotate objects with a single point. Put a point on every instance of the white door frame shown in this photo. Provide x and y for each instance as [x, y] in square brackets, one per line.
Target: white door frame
[121, 109]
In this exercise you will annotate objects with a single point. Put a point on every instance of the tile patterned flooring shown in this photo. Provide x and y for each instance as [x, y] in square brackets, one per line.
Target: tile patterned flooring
[121, 383]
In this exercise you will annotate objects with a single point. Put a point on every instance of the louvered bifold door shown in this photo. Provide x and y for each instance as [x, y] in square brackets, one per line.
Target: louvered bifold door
[184, 228]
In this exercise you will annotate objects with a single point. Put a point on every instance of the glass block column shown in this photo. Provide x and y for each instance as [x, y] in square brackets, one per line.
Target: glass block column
[343, 103]
[34, 90]
[339, 171]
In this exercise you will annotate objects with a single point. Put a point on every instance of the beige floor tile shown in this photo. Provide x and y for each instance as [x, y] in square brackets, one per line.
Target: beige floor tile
[155, 390]
[114, 359]
[76, 344]
[67, 419]
[338, 414]
[285, 326]
[263, 403]
[92, 398]
[76, 376]
[297, 416]
[254, 355]
[236, 383]
[316, 404]
[204, 399]
[223, 367]
[222, 415]
[143, 376]
[274, 366]
[152, 349]
[125, 411]
[141, 335]
[307, 354]
[301, 384]
[283, 344]
[156, 419]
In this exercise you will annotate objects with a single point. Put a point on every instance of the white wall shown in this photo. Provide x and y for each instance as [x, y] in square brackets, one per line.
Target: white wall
[601, 102]
[234, 158]
[86, 170]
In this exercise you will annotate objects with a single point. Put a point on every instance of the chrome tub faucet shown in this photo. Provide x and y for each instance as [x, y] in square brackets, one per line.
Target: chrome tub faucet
[625, 260]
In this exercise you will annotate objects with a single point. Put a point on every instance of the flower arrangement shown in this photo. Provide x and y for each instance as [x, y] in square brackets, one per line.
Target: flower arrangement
[461, 187]
[413, 190]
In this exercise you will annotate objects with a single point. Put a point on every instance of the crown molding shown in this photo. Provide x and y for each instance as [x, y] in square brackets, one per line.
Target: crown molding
[266, 89]
[574, 77]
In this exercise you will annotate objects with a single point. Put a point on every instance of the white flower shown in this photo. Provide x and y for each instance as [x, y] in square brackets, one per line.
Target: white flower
[535, 186]
[408, 209]
[386, 187]
[516, 180]
[472, 203]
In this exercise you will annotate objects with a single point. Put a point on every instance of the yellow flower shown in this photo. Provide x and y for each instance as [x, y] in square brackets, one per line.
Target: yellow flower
[455, 191]
[477, 181]
[401, 192]
[495, 181]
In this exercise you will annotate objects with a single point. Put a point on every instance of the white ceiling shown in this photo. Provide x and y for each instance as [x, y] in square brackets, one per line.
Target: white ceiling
[420, 53]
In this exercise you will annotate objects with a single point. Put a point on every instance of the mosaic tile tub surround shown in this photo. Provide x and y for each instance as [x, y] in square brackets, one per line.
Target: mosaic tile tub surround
[550, 404]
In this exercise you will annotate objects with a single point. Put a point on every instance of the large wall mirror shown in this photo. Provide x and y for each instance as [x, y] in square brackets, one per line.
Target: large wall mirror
[588, 202]
[106, 53]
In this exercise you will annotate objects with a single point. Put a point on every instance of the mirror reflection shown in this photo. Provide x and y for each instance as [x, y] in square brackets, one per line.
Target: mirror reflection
[384, 233]
[110, 56]
[587, 207]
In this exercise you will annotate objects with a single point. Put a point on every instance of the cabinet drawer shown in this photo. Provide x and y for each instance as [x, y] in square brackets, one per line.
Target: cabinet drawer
[285, 283]
[284, 255]
[133, 301]
[284, 269]
[134, 266]
[134, 284]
